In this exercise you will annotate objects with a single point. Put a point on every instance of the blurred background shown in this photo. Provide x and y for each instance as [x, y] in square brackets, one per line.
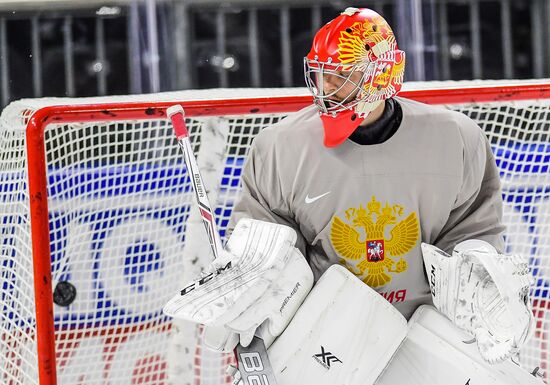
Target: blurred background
[89, 47]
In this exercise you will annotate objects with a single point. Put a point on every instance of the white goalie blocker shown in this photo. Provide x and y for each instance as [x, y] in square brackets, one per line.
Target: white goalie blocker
[346, 333]
[261, 279]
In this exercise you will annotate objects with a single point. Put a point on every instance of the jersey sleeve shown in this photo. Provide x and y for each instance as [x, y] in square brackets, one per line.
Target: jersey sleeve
[477, 212]
[262, 196]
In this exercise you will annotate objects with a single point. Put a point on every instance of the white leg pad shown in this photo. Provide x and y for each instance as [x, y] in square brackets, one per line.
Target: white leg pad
[344, 333]
[434, 353]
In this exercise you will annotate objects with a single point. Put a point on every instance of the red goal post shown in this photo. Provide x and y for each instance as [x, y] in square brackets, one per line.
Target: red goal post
[60, 146]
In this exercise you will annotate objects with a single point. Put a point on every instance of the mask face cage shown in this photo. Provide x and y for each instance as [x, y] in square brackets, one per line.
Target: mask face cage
[315, 74]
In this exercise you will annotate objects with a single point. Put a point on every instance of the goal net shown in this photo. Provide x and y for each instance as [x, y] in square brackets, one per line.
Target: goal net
[96, 208]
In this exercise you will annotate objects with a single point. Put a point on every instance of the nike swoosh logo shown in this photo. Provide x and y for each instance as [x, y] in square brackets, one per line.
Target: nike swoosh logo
[311, 200]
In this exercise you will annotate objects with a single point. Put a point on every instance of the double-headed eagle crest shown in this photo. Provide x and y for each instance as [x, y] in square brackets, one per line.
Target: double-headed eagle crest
[367, 251]
[373, 41]
[365, 41]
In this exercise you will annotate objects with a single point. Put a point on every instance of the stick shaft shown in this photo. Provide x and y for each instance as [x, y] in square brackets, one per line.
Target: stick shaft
[207, 213]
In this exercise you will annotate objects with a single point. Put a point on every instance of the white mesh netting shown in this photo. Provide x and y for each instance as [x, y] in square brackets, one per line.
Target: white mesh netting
[119, 202]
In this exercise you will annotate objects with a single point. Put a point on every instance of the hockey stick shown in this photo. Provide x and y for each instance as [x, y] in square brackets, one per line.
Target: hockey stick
[177, 116]
[261, 372]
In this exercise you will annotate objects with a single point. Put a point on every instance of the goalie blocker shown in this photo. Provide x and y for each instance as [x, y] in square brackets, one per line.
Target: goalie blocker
[260, 280]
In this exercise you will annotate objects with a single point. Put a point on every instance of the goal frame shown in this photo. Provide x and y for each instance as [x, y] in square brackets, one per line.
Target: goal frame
[36, 163]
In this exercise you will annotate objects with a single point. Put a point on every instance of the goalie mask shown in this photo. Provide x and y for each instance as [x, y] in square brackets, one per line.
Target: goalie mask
[354, 65]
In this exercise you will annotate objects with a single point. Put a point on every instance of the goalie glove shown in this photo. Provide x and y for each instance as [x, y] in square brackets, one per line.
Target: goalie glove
[261, 279]
[484, 293]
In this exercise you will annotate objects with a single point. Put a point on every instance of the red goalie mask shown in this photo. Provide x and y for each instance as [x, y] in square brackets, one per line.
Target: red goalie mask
[354, 65]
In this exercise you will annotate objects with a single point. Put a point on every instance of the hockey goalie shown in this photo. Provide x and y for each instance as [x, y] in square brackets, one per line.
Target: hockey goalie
[367, 244]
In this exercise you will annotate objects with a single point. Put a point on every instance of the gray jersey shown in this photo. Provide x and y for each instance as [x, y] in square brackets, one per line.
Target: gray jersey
[368, 207]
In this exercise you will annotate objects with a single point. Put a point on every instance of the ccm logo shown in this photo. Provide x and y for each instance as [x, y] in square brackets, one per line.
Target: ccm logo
[252, 363]
[204, 279]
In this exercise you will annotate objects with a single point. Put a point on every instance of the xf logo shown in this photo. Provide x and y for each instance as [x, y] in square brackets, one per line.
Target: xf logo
[326, 358]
